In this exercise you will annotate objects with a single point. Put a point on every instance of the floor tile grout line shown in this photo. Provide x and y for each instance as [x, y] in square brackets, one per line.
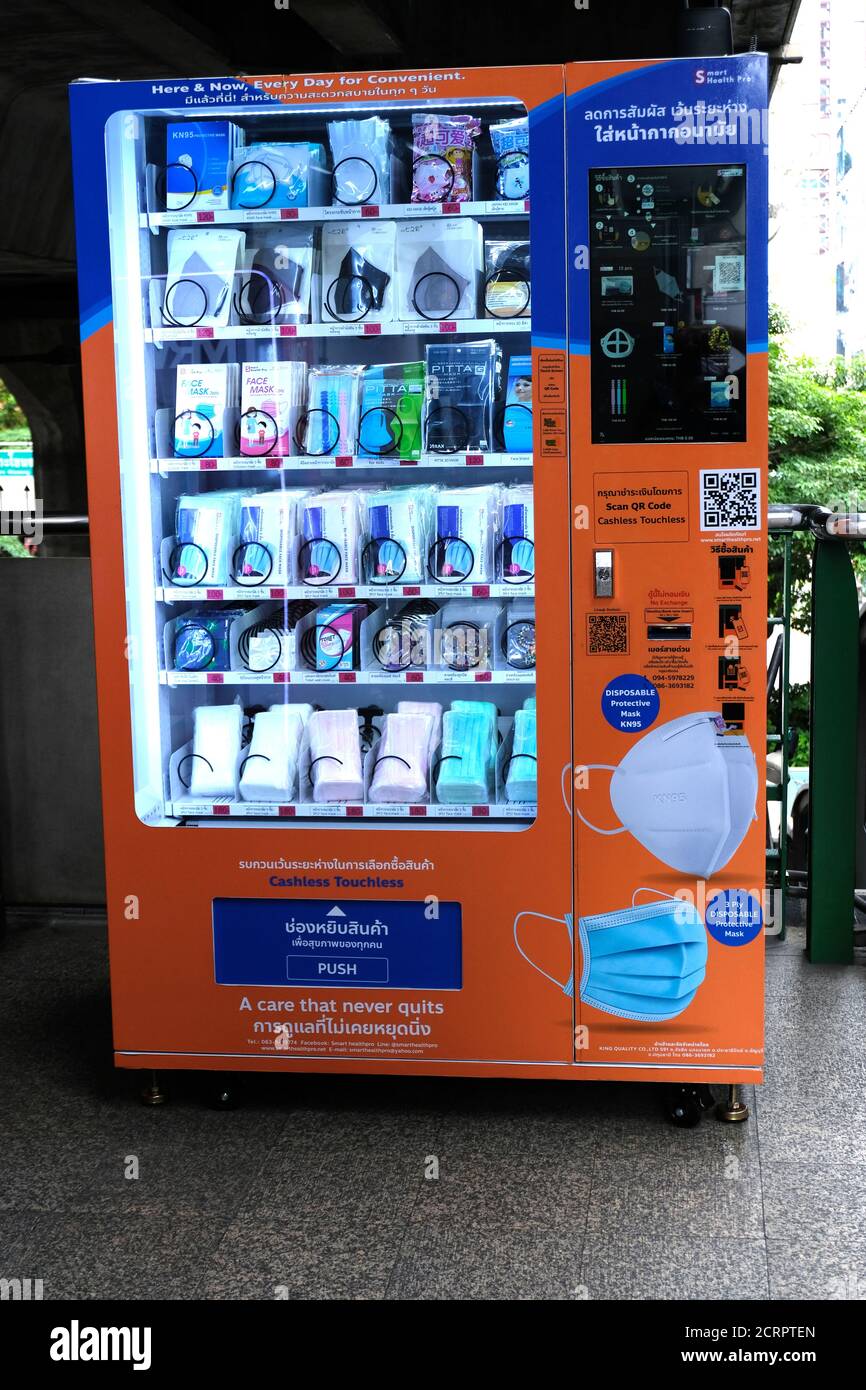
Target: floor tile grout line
[407, 1225]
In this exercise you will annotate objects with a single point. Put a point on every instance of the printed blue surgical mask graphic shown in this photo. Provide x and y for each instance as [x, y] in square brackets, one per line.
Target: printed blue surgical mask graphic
[687, 791]
[644, 963]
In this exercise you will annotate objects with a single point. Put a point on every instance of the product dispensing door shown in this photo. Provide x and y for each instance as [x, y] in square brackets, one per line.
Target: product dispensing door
[323, 325]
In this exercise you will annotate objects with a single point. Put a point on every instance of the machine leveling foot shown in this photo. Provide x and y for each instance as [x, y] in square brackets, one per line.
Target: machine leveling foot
[732, 1110]
[153, 1094]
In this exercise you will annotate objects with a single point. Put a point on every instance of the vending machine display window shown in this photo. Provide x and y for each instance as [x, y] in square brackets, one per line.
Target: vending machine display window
[668, 304]
[323, 340]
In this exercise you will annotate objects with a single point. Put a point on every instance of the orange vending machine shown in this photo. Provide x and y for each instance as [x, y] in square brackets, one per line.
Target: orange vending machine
[349, 727]
[334, 692]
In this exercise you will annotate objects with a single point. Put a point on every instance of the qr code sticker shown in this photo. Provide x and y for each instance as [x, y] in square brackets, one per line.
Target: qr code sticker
[729, 274]
[607, 633]
[730, 500]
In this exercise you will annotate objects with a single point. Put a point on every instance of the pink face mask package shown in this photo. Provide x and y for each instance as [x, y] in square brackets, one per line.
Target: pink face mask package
[442, 148]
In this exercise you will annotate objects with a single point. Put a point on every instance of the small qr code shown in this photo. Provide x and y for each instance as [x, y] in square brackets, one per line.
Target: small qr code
[607, 632]
[730, 500]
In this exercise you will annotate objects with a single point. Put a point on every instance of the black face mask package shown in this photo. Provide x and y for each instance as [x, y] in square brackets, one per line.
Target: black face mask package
[462, 384]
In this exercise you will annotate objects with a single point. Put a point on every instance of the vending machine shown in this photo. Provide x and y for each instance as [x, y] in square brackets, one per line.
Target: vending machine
[347, 377]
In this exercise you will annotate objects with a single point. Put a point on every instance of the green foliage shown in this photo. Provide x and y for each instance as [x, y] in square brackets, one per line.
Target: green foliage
[13, 421]
[817, 450]
[13, 549]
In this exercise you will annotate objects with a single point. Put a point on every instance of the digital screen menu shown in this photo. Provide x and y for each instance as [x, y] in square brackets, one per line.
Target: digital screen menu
[668, 304]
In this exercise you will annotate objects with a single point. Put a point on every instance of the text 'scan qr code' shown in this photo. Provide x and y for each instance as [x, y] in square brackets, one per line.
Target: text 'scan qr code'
[607, 633]
[730, 499]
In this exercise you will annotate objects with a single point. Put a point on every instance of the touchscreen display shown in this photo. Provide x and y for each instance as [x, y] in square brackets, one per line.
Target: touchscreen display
[668, 304]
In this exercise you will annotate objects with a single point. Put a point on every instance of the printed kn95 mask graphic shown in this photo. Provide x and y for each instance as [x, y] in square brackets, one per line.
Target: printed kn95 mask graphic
[687, 792]
[644, 963]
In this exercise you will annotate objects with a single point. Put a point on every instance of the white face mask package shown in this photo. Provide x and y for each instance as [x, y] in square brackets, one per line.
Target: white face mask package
[278, 272]
[439, 265]
[462, 545]
[433, 712]
[335, 756]
[206, 525]
[269, 645]
[330, 540]
[400, 774]
[216, 747]
[467, 634]
[270, 766]
[272, 401]
[329, 424]
[358, 262]
[204, 391]
[361, 155]
[516, 546]
[398, 527]
[202, 276]
[268, 526]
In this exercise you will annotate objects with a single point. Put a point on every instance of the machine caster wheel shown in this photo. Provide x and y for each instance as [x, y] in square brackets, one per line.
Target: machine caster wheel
[732, 1110]
[153, 1094]
[685, 1105]
[225, 1096]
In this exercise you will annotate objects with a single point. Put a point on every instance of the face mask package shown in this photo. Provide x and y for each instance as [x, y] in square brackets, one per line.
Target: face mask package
[518, 638]
[269, 645]
[216, 748]
[331, 534]
[358, 262]
[392, 398]
[406, 640]
[516, 416]
[202, 268]
[277, 285]
[461, 549]
[272, 401]
[205, 527]
[335, 756]
[398, 525]
[203, 393]
[361, 156]
[201, 640]
[329, 426]
[401, 767]
[197, 159]
[266, 538]
[278, 176]
[433, 712]
[465, 775]
[510, 140]
[270, 766]
[521, 777]
[333, 643]
[467, 636]
[462, 382]
[517, 546]
[507, 280]
[439, 267]
[442, 149]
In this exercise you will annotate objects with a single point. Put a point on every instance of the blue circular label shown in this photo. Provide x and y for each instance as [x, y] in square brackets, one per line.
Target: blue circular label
[734, 917]
[630, 704]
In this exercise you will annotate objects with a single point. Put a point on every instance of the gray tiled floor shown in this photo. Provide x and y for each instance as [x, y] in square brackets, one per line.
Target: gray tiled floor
[316, 1188]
